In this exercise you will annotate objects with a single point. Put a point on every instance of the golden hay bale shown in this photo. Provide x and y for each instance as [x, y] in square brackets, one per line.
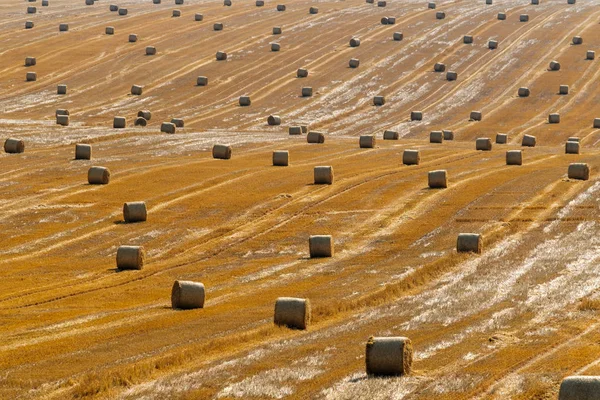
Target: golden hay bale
[416, 115]
[83, 151]
[366, 141]
[218, 26]
[277, 30]
[580, 388]
[31, 10]
[411, 157]
[302, 73]
[176, 13]
[554, 118]
[198, 17]
[274, 120]
[280, 7]
[563, 89]
[590, 55]
[469, 242]
[14, 146]
[98, 176]
[113, 7]
[122, 11]
[178, 122]
[146, 114]
[320, 246]
[388, 356]
[501, 138]
[130, 257]
[554, 66]
[119, 122]
[61, 89]
[493, 44]
[29, 61]
[571, 147]
[31, 77]
[63, 27]
[315, 137]
[397, 36]
[523, 17]
[281, 158]
[528, 141]
[313, 10]
[295, 130]
[577, 40]
[579, 171]
[438, 179]
[475, 116]
[29, 24]
[323, 175]
[451, 76]
[378, 100]
[354, 63]
[187, 295]
[440, 15]
[467, 39]
[245, 101]
[150, 50]
[221, 151]
[439, 67]
[354, 42]
[523, 92]
[260, 3]
[167, 127]
[292, 312]
[436, 137]
[484, 144]
[62, 120]
[202, 81]
[431, 6]
[140, 121]
[221, 56]
[448, 135]
[135, 211]
[275, 47]
[501, 16]
[307, 91]
[137, 90]
[514, 157]
[133, 38]
[109, 30]
[390, 135]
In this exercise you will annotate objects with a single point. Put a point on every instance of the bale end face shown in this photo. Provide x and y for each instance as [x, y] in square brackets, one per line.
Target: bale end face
[320, 246]
[130, 257]
[135, 211]
[388, 356]
[469, 242]
[292, 312]
[323, 175]
[187, 295]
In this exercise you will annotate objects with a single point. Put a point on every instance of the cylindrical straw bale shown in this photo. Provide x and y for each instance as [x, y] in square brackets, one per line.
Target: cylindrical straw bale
[390, 135]
[580, 387]
[528, 141]
[29, 24]
[514, 157]
[388, 356]
[292, 312]
[110, 30]
[366, 141]
[98, 176]
[275, 47]
[438, 179]
[448, 135]
[119, 122]
[198, 17]
[315, 137]
[259, 3]
[469, 242]
[493, 44]
[563, 89]
[313, 10]
[451, 76]
[488, 1]
[178, 122]
[281, 158]
[176, 13]
[280, 7]
[577, 40]
[475, 116]
[62, 120]
[134, 211]
[14, 146]
[295, 130]
[354, 42]
[202, 81]
[245, 101]
[150, 50]
[554, 66]
[554, 118]
[416, 115]
[323, 175]
[354, 62]
[61, 111]
[381, 3]
[440, 15]
[83, 151]
[167, 127]
[320, 246]
[130, 257]
[178, 2]
[436, 137]
[31, 77]
[218, 26]
[570, 1]
[133, 38]
[307, 91]
[571, 147]
[221, 56]
[523, 92]
[31, 10]
[467, 39]
[431, 6]
[524, 17]
[274, 120]
[29, 61]
[113, 7]
[579, 171]
[122, 11]
[221, 151]
[302, 73]
[590, 55]
[384, 21]
[535, 2]
[484, 144]
[378, 100]
[397, 36]
[156, 1]
[411, 157]
[187, 295]
[501, 138]
[137, 90]
[140, 121]
[439, 67]
[501, 16]
[146, 114]
[277, 30]
[596, 123]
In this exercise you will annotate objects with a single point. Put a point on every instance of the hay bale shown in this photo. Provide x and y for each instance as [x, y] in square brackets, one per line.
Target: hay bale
[354, 42]
[280, 7]
[98, 176]
[366, 141]
[62, 120]
[439, 67]
[475, 116]
[580, 387]
[31, 77]
[281, 158]
[198, 17]
[523, 92]
[178, 122]
[218, 26]
[590, 55]
[146, 114]
[320, 246]
[150, 50]
[176, 13]
[438, 179]
[83, 151]
[596, 123]
[315, 137]
[227, 3]
[579, 171]
[493, 44]
[295, 130]
[274, 120]
[390, 135]
[448, 135]
[535, 2]
[122, 11]
[354, 62]
[501, 16]
[378, 100]
[110, 30]
[370, 1]
[119, 122]
[554, 118]
[469, 243]
[573, 139]
[275, 47]
[156, 1]
[313, 10]
[440, 15]
[245, 101]
[571, 147]
[134, 211]
[451, 76]
[167, 127]
[133, 38]
[436, 137]
[140, 121]
[307, 91]
[29, 24]
[202, 81]
[431, 6]
[304, 128]
[570, 1]
[501, 138]
[411, 157]
[554, 66]
[323, 175]
[514, 157]
[260, 3]
[488, 1]
[416, 115]
[30, 61]
[89, 2]
[302, 73]
[388, 356]
[187, 295]
[61, 111]
[563, 89]
[137, 90]
[292, 312]
[484, 144]
[178, 2]
[31, 10]
[524, 17]
[221, 151]
[14, 146]
[388, 20]
[113, 7]
[577, 40]
[528, 141]
[381, 3]
[130, 257]
[221, 56]
[277, 30]
[467, 39]
[397, 36]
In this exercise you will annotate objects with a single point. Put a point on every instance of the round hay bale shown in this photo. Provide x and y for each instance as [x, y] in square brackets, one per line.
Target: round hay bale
[596, 123]
[439, 67]
[370, 1]
[133, 38]
[277, 30]
[451, 76]
[571, 147]
[535, 2]
[202, 81]
[436, 137]
[29, 61]
[440, 15]
[178, 122]
[438, 179]
[176, 13]
[397, 36]
[187, 295]
[323, 175]
[61, 111]
[281, 158]
[315, 137]
[275, 47]
[493, 44]
[119, 122]
[83, 151]
[384, 21]
[29, 24]
[295, 130]
[227, 3]
[570, 1]
[354, 62]
[307, 91]
[523, 92]
[122, 11]
[501, 16]
[221, 151]
[579, 171]
[467, 39]
[140, 121]
[354, 42]
[577, 40]
[381, 3]
[110, 30]
[483, 144]
[431, 6]
[218, 26]
[130, 257]
[302, 73]
[62, 120]
[501, 138]
[137, 90]
[475, 116]
[150, 50]
[14, 146]
[366, 141]
[411, 157]
[146, 114]
[113, 7]
[573, 139]
[563, 89]
[390, 135]
[31, 77]
[178, 2]
[245, 101]
[98, 176]
[274, 120]
[31, 10]
[528, 141]
[89, 2]
[554, 66]
[167, 127]
[304, 128]
[292, 312]
[198, 17]
[554, 118]
[134, 211]
[320, 246]
[579, 387]
[313, 10]
[156, 1]
[416, 115]
[260, 3]
[378, 100]
[61, 89]
[469, 243]
[388, 356]
[514, 157]
[523, 17]
[488, 1]
[590, 55]
[221, 56]
[448, 135]
[280, 7]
